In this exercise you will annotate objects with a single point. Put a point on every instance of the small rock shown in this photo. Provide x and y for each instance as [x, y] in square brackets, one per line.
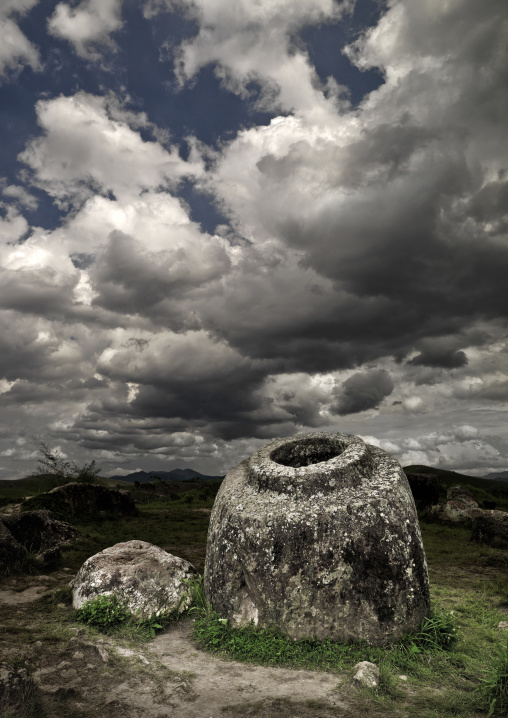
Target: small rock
[402, 678]
[503, 625]
[78, 655]
[367, 674]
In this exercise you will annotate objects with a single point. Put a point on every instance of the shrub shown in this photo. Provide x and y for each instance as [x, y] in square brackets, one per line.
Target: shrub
[65, 471]
[103, 612]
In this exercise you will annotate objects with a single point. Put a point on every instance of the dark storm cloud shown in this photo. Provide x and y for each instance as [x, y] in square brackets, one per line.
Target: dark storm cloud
[362, 391]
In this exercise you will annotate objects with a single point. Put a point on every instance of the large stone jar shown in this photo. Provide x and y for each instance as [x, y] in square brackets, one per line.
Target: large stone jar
[318, 536]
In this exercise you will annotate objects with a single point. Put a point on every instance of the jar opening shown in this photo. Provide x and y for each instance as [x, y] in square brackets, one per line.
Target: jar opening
[306, 452]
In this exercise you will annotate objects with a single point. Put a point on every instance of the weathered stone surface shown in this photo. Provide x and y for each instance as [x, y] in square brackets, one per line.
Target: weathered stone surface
[460, 509]
[366, 674]
[491, 527]
[149, 580]
[318, 536]
[77, 500]
[425, 489]
[40, 533]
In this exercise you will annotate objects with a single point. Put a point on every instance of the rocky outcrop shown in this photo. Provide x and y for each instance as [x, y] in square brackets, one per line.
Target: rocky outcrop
[318, 536]
[36, 532]
[425, 489]
[82, 501]
[459, 510]
[146, 579]
[491, 528]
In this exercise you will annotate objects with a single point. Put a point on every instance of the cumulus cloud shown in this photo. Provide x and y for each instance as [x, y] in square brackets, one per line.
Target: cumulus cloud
[16, 50]
[87, 25]
[86, 150]
[256, 44]
[364, 258]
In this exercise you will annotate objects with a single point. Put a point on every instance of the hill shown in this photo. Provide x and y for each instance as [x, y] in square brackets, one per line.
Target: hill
[144, 477]
[498, 476]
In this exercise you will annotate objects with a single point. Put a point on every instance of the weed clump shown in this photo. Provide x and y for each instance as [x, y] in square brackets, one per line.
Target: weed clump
[109, 615]
[495, 685]
[103, 612]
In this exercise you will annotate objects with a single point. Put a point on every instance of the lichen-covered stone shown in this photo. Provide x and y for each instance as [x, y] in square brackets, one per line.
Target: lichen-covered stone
[148, 580]
[460, 509]
[318, 536]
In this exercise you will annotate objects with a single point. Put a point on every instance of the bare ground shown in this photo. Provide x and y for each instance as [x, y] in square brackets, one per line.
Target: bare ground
[79, 673]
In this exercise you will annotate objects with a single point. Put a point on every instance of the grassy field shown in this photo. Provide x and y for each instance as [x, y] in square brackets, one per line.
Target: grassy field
[424, 676]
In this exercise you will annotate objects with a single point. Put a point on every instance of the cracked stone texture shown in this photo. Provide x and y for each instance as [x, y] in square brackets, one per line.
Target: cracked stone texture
[318, 536]
[147, 579]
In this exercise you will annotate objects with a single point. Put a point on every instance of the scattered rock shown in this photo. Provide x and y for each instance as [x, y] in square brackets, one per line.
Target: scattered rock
[318, 535]
[459, 510]
[149, 580]
[425, 489]
[503, 625]
[83, 501]
[491, 528]
[367, 674]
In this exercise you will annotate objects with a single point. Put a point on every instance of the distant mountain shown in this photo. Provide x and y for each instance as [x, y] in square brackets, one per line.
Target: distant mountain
[145, 477]
[452, 477]
[497, 476]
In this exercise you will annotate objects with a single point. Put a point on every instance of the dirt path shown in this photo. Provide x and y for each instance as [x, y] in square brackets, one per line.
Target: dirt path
[222, 687]
[82, 674]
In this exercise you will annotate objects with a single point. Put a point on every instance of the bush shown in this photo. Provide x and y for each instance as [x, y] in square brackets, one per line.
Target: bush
[103, 612]
[65, 471]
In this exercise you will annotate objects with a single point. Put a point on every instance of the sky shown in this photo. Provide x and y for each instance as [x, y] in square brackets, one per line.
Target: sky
[224, 222]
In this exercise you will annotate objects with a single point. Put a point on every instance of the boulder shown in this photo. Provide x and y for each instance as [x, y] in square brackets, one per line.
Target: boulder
[425, 489]
[148, 580]
[459, 510]
[78, 500]
[491, 528]
[36, 532]
[317, 535]
[40, 533]
[366, 675]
